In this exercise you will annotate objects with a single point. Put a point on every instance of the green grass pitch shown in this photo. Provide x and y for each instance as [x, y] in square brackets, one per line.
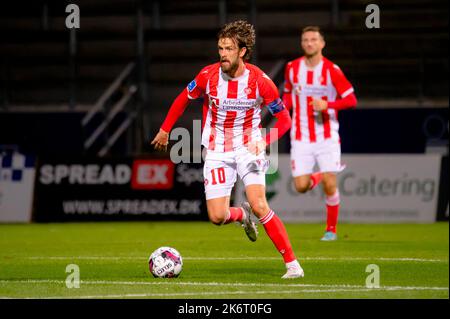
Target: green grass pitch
[220, 262]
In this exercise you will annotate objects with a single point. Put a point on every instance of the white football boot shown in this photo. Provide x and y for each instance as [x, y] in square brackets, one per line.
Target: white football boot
[294, 270]
[249, 226]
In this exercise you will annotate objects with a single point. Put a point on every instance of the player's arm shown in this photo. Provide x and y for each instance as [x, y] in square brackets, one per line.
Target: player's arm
[282, 125]
[195, 89]
[161, 139]
[347, 102]
[275, 105]
[287, 89]
[283, 121]
[346, 97]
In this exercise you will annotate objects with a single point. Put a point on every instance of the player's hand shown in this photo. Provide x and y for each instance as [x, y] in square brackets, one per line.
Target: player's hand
[256, 147]
[161, 141]
[319, 105]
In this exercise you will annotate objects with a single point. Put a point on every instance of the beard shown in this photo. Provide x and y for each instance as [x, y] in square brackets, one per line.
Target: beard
[311, 54]
[230, 68]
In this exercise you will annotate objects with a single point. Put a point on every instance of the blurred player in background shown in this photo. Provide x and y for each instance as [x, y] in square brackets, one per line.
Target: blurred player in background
[234, 92]
[316, 89]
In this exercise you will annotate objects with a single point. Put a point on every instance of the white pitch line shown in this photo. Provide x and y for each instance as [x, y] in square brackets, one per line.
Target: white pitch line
[407, 259]
[218, 284]
[239, 292]
[179, 294]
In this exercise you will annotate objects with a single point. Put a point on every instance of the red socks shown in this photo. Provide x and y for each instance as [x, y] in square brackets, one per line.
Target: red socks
[316, 178]
[277, 233]
[332, 203]
[274, 228]
[235, 215]
[332, 211]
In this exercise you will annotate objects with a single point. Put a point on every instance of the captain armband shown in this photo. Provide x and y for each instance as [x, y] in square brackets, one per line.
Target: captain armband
[275, 106]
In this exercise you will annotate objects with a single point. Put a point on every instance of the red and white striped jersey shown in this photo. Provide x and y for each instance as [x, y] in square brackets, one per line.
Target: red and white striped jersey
[232, 106]
[325, 81]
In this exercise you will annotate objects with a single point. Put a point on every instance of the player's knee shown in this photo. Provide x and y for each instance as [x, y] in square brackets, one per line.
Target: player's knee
[329, 187]
[330, 190]
[259, 207]
[217, 218]
[301, 187]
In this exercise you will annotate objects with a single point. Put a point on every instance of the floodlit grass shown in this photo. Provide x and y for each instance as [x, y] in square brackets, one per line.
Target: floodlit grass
[220, 262]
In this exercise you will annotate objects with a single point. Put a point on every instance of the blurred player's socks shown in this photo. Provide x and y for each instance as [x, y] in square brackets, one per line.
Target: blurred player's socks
[277, 233]
[235, 214]
[332, 211]
[316, 178]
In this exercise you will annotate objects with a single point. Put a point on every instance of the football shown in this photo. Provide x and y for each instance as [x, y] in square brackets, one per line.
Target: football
[165, 262]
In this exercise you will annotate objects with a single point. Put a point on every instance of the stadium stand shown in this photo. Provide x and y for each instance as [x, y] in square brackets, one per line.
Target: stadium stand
[410, 50]
[402, 64]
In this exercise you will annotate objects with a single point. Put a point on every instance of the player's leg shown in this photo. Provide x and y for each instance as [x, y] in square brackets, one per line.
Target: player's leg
[332, 202]
[220, 213]
[218, 209]
[302, 183]
[329, 161]
[252, 170]
[274, 227]
[220, 177]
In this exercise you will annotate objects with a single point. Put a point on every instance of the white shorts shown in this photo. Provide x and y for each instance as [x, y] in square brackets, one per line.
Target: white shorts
[304, 155]
[221, 169]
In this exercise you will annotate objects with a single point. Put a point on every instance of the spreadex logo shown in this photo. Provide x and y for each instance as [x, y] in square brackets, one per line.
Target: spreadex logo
[152, 174]
[144, 174]
[85, 174]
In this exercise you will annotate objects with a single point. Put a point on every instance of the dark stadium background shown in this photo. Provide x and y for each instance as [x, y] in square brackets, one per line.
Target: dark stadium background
[51, 76]
[81, 186]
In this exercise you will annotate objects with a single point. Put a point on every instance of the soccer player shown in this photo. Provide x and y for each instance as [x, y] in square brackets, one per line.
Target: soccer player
[316, 89]
[234, 92]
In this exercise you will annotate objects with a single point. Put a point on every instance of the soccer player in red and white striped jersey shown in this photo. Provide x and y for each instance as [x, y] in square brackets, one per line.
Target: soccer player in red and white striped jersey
[234, 92]
[316, 89]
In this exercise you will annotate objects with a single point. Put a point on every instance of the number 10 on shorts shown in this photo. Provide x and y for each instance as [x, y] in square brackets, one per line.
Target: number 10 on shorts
[218, 175]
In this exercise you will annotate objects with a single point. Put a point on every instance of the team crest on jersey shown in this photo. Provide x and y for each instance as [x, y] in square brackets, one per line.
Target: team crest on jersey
[248, 90]
[321, 80]
[191, 86]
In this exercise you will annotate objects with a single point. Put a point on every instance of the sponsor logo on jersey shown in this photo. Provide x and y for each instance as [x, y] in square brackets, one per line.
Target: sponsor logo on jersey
[314, 91]
[238, 104]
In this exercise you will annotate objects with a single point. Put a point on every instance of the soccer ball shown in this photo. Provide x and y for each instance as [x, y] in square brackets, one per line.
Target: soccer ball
[165, 262]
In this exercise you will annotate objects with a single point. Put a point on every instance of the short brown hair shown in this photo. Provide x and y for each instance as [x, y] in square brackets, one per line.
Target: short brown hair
[313, 28]
[242, 32]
